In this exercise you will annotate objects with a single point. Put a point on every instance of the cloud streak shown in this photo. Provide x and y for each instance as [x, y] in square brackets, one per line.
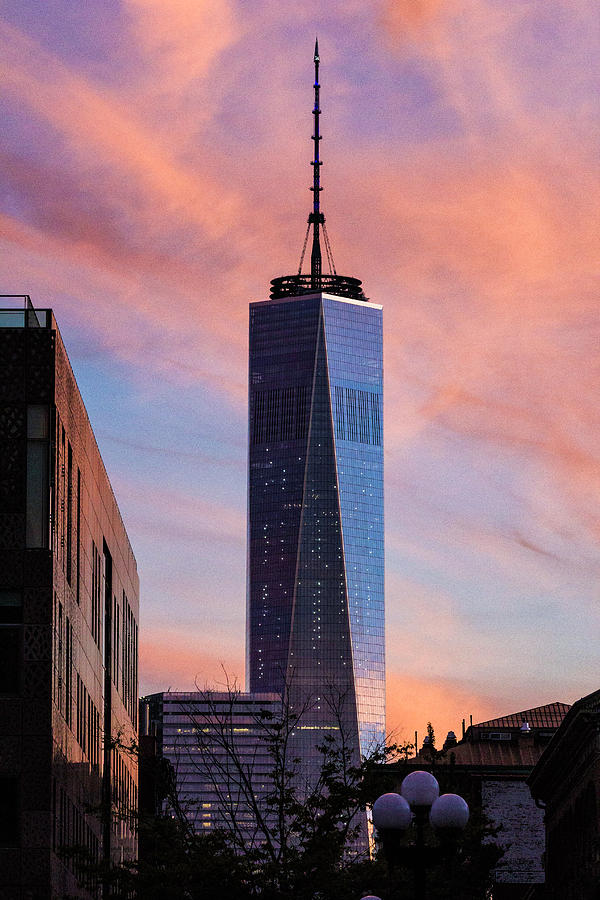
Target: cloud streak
[150, 196]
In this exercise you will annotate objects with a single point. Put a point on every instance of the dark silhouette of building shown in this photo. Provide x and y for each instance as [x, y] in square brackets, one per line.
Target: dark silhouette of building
[315, 530]
[489, 766]
[68, 629]
[566, 783]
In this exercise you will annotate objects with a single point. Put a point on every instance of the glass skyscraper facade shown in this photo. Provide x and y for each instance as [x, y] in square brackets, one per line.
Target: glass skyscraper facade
[315, 526]
[216, 747]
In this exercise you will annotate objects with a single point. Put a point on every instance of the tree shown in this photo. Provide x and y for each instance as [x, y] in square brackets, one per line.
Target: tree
[302, 834]
[303, 837]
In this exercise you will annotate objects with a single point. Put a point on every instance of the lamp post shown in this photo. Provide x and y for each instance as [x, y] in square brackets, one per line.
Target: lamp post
[418, 800]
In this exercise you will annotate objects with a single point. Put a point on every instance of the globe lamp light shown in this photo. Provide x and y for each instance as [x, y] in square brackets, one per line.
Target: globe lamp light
[391, 811]
[420, 789]
[449, 813]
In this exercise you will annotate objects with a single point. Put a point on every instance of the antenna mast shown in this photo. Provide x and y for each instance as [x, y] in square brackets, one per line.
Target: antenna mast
[316, 218]
[332, 283]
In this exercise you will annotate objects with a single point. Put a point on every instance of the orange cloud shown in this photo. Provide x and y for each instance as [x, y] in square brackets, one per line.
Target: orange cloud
[180, 661]
[469, 46]
[404, 17]
[479, 238]
[180, 39]
[412, 702]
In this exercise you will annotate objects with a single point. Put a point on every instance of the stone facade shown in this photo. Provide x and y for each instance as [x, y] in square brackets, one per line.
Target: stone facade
[508, 805]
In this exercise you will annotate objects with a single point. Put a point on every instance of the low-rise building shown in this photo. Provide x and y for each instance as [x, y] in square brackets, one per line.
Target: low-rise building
[489, 766]
[68, 629]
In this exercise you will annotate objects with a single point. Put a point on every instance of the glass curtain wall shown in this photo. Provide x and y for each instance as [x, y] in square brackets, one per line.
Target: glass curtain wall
[315, 547]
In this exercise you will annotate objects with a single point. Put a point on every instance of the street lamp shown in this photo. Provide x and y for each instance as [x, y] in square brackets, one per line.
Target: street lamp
[419, 799]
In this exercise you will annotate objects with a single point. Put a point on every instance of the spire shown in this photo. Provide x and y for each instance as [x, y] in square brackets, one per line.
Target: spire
[316, 218]
[332, 283]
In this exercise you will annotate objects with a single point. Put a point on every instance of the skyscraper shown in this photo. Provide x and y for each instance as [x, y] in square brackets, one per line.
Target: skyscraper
[68, 628]
[315, 532]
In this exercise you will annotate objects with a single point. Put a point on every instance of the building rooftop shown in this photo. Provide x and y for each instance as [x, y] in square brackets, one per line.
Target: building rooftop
[518, 753]
[298, 285]
[16, 311]
[548, 716]
[502, 742]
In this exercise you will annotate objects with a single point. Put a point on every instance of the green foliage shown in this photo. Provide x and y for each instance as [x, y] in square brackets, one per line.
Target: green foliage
[431, 735]
[304, 843]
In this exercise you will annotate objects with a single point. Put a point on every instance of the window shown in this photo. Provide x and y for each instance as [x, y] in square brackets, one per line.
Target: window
[10, 659]
[38, 448]
[11, 608]
[78, 553]
[357, 416]
[9, 811]
[68, 672]
[97, 599]
[280, 414]
[11, 617]
[69, 513]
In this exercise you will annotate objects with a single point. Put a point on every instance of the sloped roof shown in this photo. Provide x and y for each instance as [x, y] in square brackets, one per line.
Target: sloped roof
[549, 716]
[508, 754]
[521, 753]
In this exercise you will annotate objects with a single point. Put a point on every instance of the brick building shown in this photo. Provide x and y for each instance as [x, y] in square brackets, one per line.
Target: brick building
[566, 780]
[68, 628]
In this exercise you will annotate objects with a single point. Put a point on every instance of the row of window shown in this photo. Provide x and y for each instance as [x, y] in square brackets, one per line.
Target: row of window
[63, 662]
[357, 416]
[72, 837]
[66, 507]
[280, 414]
[97, 598]
[125, 645]
[124, 636]
[88, 730]
[123, 792]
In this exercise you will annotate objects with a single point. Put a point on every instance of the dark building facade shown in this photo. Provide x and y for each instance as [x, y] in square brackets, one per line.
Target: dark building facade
[68, 629]
[214, 745]
[566, 783]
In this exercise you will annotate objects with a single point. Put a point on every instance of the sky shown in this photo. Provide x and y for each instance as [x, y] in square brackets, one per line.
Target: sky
[154, 161]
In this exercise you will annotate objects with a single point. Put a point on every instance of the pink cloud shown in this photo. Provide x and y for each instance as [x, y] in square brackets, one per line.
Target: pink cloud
[405, 17]
[178, 193]
[177, 660]
[129, 158]
[181, 39]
